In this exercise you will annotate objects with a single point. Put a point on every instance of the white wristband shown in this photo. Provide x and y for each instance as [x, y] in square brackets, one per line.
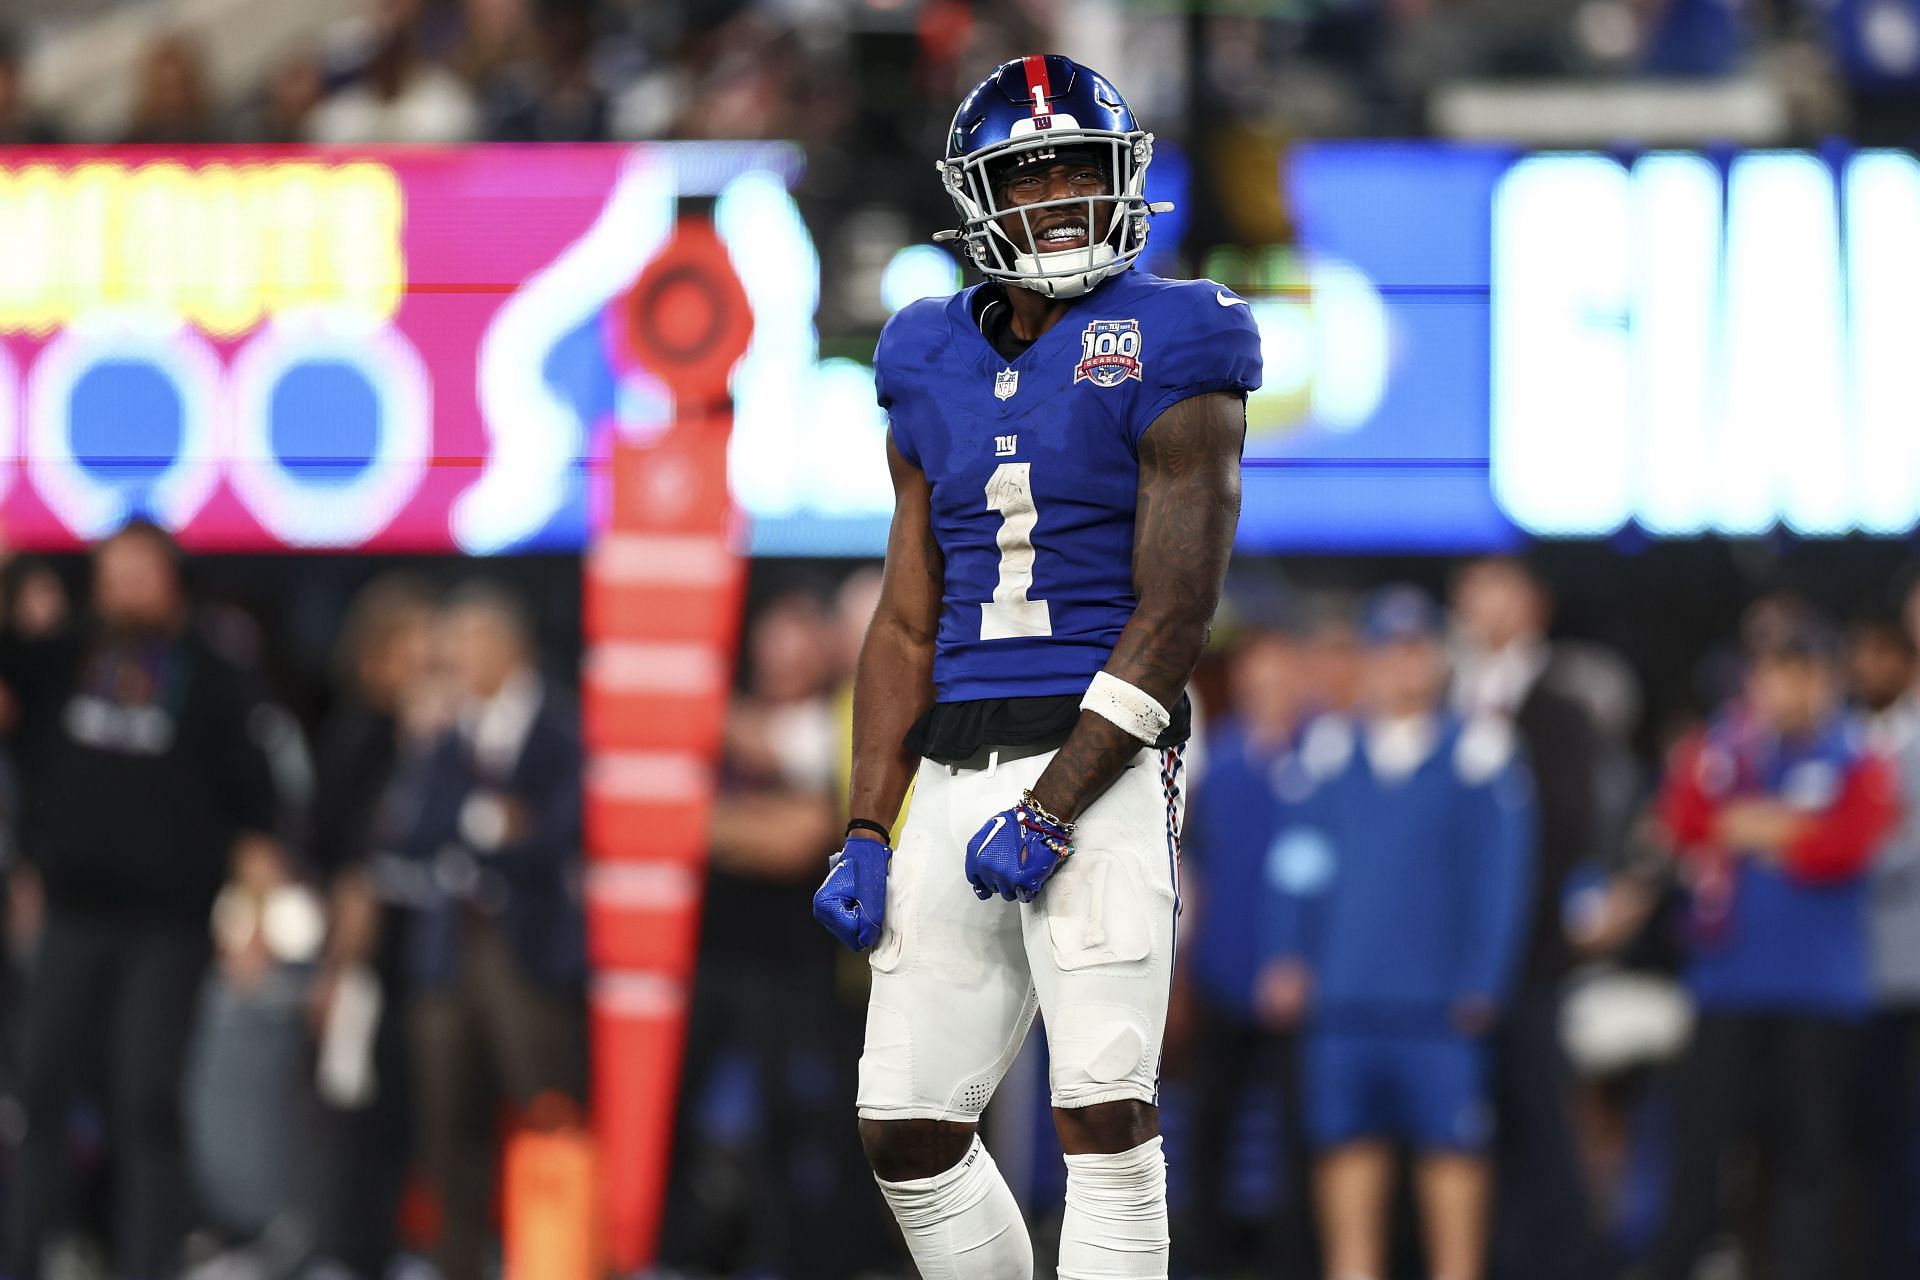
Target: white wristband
[1134, 710]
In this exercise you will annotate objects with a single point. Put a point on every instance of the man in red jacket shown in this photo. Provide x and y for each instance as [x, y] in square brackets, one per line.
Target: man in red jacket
[1775, 811]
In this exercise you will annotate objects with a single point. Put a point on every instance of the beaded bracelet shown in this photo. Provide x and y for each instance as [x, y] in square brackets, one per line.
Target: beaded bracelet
[1045, 814]
[1054, 830]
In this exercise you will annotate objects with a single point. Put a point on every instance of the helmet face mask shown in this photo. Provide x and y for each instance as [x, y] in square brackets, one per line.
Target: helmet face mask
[994, 137]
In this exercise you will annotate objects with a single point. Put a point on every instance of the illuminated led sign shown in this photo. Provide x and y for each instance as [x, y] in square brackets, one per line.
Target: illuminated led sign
[408, 349]
[218, 246]
[1568, 345]
[422, 349]
[1697, 348]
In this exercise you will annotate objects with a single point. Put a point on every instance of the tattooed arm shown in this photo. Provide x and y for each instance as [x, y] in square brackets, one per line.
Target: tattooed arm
[893, 682]
[1183, 531]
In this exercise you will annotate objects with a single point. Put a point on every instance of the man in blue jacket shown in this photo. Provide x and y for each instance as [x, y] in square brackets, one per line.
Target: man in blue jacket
[1398, 915]
[1232, 820]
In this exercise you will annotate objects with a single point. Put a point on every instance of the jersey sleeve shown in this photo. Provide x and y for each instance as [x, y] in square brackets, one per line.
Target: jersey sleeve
[1206, 341]
[1839, 841]
[889, 382]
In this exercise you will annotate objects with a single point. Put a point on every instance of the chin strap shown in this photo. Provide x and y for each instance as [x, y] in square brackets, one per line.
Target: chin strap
[1066, 286]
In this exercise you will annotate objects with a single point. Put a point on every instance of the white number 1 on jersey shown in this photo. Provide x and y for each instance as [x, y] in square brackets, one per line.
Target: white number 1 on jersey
[1010, 615]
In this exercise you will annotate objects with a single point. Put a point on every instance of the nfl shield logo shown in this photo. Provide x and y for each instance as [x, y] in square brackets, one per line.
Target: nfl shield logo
[1005, 383]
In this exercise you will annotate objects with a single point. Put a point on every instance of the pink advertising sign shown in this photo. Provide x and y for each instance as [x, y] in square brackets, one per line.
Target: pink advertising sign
[405, 349]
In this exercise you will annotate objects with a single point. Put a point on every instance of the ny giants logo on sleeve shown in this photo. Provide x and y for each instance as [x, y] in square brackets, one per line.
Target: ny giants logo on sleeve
[1109, 353]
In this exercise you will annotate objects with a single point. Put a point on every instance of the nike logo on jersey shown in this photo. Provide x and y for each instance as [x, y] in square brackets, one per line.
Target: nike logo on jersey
[1225, 299]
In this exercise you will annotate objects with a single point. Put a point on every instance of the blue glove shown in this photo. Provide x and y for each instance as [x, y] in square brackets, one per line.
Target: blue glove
[1015, 852]
[852, 901]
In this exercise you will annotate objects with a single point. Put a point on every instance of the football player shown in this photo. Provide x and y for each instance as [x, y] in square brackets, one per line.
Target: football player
[1065, 447]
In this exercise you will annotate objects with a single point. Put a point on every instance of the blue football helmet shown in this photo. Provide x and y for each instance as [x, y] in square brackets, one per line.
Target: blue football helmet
[1043, 109]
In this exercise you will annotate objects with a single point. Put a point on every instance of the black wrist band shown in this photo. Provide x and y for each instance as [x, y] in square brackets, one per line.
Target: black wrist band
[861, 824]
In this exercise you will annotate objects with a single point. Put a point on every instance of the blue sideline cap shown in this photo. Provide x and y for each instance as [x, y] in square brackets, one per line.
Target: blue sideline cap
[1401, 612]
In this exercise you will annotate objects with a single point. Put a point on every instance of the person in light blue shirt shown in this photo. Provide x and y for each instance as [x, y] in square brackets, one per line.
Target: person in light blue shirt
[1396, 918]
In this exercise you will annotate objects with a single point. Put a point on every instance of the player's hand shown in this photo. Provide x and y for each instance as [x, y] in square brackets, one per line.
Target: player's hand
[852, 901]
[1760, 828]
[1014, 853]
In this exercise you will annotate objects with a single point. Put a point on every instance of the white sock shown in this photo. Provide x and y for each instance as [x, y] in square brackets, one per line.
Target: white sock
[963, 1224]
[1116, 1222]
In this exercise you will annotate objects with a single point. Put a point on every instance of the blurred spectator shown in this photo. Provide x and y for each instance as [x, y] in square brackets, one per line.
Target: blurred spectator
[498, 40]
[1607, 689]
[853, 607]
[1696, 37]
[359, 995]
[33, 600]
[1401, 910]
[496, 942]
[1775, 810]
[1501, 612]
[33, 606]
[172, 108]
[146, 791]
[1883, 670]
[555, 100]
[763, 1099]
[742, 83]
[19, 126]
[1624, 1015]
[1236, 1054]
[401, 97]
[1880, 665]
[1334, 656]
[250, 1119]
[781, 733]
[285, 106]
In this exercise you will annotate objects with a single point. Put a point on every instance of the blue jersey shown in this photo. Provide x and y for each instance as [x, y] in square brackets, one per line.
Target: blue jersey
[1034, 465]
[1783, 942]
[1404, 894]
[1234, 816]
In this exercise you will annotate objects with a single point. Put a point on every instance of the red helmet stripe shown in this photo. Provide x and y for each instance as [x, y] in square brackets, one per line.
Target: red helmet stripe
[1038, 90]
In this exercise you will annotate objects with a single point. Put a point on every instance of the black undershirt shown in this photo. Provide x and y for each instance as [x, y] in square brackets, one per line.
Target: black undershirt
[994, 314]
[950, 732]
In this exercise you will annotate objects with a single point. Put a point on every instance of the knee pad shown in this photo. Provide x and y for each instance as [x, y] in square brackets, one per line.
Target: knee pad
[963, 1224]
[1116, 1221]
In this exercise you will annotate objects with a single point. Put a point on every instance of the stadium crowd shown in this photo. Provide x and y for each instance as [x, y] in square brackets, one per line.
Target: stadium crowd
[1633, 999]
[867, 86]
[1630, 999]
[258, 977]
[577, 70]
